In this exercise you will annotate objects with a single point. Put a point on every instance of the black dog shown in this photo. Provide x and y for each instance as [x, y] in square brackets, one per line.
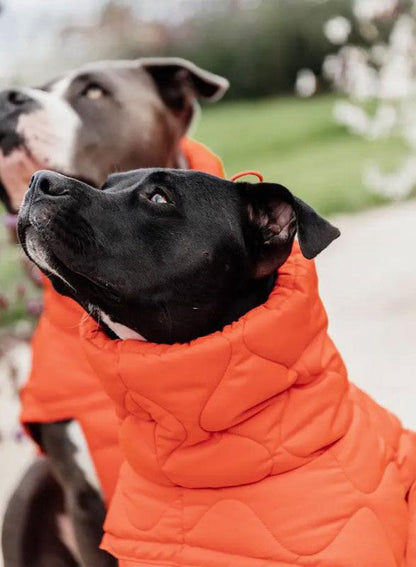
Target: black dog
[165, 255]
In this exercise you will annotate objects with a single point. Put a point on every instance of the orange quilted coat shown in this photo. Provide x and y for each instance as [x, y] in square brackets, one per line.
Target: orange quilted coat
[61, 384]
[250, 448]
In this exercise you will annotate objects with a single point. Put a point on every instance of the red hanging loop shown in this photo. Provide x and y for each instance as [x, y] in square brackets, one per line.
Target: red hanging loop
[244, 173]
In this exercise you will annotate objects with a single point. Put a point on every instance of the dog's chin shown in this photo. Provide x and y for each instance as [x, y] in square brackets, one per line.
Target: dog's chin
[69, 283]
[39, 253]
[45, 253]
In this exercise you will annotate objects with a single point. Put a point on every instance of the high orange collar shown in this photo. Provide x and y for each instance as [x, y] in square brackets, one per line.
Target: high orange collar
[211, 395]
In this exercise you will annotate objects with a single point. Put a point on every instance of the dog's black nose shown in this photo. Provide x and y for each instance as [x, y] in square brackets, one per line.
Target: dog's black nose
[49, 183]
[14, 99]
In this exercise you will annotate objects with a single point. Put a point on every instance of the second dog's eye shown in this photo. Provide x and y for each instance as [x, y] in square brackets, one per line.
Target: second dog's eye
[159, 199]
[93, 91]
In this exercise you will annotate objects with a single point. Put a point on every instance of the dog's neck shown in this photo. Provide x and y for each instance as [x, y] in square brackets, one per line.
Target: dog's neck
[243, 300]
[253, 294]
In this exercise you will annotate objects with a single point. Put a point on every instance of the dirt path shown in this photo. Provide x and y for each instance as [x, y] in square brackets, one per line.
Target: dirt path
[368, 284]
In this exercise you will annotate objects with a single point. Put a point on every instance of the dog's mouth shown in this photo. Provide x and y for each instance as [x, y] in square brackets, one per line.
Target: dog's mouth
[16, 169]
[25, 150]
[10, 140]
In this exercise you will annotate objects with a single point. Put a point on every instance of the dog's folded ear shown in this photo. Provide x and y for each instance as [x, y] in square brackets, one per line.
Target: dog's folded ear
[180, 81]
[276, 216]
[314, 232]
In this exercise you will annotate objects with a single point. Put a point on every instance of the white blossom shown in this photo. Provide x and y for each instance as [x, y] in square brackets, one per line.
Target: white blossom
[385, 73]
[306, 83]
[396, 185]
[337, 30]
[358, 121]
[351, 72]
[373, 9]
[352, 116]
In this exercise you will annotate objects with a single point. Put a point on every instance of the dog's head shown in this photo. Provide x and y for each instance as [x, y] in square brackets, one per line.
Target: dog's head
[104, 117]
[168, 254]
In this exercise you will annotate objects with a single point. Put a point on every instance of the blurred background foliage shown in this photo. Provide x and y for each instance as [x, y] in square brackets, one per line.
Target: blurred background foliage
[259, 45]
[261, 48]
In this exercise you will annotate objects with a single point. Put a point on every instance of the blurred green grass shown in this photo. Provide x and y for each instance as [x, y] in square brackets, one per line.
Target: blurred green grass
[291, 141]
[297, 143]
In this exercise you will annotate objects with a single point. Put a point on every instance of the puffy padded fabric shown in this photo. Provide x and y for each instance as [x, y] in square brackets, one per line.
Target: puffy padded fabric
[250, 448]
[62, 385]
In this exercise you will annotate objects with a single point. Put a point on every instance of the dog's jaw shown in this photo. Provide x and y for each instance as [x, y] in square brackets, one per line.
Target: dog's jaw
[37, 253]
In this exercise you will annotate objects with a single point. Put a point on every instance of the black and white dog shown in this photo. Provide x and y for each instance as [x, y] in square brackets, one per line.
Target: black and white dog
[101, 118]
[104, 117]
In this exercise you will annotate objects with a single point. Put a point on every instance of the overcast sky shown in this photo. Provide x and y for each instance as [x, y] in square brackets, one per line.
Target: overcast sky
[27, 27]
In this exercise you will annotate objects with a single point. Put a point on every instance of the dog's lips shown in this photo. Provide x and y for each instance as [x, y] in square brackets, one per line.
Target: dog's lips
[36, 249]
[35, 246]
[19, 165]
[40, 251]
[9, 139]
[34, 242]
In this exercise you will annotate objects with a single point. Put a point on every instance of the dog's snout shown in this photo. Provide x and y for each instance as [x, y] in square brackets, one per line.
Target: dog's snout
[49, 183]
[15, 99]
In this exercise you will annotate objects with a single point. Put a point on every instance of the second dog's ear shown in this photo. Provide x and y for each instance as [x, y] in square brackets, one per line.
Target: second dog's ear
[276, 215]
[180, 82]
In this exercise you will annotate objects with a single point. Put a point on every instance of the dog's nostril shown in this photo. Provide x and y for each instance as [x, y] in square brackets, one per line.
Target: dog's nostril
[31, 181]
[44, 185]
[17, 98]
[49, 184]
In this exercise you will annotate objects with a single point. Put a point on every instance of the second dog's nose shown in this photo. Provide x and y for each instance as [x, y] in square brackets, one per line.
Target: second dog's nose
[15, 99]
[49, 183]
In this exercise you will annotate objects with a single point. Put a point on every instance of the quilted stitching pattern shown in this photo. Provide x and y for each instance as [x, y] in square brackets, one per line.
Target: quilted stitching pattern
[249, 447]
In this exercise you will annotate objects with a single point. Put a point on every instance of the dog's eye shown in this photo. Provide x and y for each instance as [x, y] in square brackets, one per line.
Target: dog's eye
[159, 199]
[93, 91]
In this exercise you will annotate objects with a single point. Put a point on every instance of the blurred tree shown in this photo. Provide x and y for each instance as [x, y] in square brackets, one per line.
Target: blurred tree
[260, 49]
[258, 45]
